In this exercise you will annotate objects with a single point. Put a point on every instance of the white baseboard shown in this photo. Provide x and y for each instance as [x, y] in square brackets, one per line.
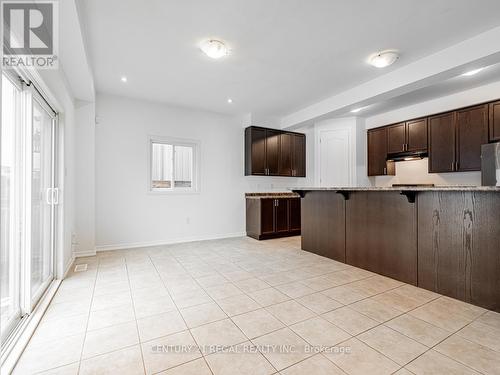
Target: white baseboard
[166, 242]
[69, 266]
[86, 253]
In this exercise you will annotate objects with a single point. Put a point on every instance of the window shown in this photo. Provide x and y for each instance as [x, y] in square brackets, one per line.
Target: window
[173, 165]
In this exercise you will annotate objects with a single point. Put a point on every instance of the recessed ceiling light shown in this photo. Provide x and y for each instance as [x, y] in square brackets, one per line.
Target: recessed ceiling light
[123, 79]
[472, 72]
[383, 59]
[229, 100]
[214, 48]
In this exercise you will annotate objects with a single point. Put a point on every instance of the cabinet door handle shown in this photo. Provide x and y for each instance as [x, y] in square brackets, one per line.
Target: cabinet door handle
[385, 171]
[452, 166]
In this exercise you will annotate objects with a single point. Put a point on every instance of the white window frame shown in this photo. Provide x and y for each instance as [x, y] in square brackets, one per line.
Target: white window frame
[195, 145]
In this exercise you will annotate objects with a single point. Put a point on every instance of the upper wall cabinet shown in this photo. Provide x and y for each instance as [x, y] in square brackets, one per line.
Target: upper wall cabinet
[377, 153]
[271, 152]
[472, 132]
[407, 136]
[494, 121]
[442, 143]
[456, 138]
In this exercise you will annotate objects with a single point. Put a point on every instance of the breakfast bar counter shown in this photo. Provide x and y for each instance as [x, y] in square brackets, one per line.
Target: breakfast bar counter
[444, 239]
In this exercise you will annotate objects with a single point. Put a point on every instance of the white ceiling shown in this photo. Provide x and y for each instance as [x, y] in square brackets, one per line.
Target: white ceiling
[286, 54]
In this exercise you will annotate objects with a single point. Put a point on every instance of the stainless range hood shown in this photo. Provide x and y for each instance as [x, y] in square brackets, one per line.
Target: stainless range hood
[406, 156]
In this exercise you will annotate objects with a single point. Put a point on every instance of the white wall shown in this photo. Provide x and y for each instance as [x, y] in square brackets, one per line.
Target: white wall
[84, 241]
[128, 215]
[416, 171]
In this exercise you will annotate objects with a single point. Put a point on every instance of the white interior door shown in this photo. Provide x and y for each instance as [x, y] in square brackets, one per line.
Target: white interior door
[334, 158]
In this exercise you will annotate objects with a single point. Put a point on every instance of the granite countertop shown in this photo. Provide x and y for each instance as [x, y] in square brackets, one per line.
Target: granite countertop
[284, 194]
[402, 188]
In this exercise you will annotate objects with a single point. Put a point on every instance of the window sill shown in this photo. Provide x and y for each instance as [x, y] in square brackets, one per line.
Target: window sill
[174, 192]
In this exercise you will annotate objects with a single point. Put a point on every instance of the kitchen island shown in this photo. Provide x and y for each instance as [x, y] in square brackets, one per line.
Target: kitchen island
[444, 239]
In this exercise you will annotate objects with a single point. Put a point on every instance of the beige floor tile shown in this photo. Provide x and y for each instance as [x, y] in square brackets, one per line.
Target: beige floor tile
[319, 283]
[241, 362]
[432, 362]
[491, 318]
[375, 285]
[360, 359]
[392, 344]
[319, 332]
[49, 355]
[109, 301]
[251, 285]
[153, 306]
[470, 354]
[317, 365]
[76, 294]
[71, 369]
[53, 329]
[214, 335]
[295, 289]
[166, 352]
[109, 317]
[160, 325]
[403, 371]
[290, 312]
[202, 314]
[423, 332]
[267, 297]
[482, 334]
[196, 367]
[376, 310]
[126, 361]
[350, 320]
[63, 310]
[437, 312]
[319, 303]
[223, 291]
[192, 298]
[238, 305]
[108, 339]
[257, 323]
[397, 300]
[211, 280]
[345, 294]
[282, 348]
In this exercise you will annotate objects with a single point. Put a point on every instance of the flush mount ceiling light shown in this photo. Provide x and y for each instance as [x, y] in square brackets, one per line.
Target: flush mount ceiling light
[229, 100]
[123, 79]
[214, 48]
[383, 59]
[472, 72]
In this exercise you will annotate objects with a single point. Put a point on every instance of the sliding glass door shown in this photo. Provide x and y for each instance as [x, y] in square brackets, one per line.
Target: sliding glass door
[43, 197]
[10, 268]
[29, 198]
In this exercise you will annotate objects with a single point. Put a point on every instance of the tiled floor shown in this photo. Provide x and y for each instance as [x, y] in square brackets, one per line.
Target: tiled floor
[239, 306]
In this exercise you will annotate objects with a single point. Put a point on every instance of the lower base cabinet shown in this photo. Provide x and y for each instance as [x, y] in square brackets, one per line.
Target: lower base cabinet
[444, 241]
[272, 217]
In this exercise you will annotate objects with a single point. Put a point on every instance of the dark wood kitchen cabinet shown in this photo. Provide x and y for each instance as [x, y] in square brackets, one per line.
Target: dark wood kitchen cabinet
[396, 138]
[271, 152]
[407, 136]
[494, 123]
[272, 217]
[455, 140]
[298, 155]
[458, 237]
[472, 132]
[442, 143]
[416, 135]
[377, 153]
